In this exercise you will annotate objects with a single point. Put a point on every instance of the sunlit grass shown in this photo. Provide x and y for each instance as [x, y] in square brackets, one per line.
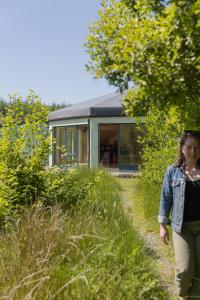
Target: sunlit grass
[143, 200]
[88, 252]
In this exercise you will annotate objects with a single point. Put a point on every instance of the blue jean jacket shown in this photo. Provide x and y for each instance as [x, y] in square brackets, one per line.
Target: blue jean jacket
[173, 198]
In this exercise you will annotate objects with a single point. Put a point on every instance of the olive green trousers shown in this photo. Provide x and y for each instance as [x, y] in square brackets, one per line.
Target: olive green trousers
[187, 257]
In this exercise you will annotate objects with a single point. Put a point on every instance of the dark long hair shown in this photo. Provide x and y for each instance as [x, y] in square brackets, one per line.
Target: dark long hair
[180, 162]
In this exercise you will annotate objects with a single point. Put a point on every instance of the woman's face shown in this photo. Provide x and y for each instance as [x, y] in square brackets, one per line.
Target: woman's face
[191, 149]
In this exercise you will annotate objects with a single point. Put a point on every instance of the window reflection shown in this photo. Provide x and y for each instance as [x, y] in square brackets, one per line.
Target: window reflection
[82, 144]
[130, 149]
[71, 145]
[108, 145]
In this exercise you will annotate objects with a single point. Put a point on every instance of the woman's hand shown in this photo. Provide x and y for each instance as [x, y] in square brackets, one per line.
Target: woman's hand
[164, 233]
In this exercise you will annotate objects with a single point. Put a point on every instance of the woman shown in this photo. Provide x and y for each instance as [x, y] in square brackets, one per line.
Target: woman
[181, 195]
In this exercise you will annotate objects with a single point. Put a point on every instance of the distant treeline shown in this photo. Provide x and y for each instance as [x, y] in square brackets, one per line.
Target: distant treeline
[53, 106]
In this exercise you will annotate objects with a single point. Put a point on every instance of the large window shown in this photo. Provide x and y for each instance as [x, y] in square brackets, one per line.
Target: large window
[71, 144]
[82, 144]
[108, 156]
[119, 147]
[60, 145]
[130, 149]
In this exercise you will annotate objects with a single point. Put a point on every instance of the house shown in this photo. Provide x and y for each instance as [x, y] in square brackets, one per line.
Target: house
[95, 133]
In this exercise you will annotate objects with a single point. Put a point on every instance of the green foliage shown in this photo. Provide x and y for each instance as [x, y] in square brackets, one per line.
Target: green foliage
[5, 207]
[3, 106]
[24, 149]
[160, 144]
[68, 187]
[153, 45]
[93, 253]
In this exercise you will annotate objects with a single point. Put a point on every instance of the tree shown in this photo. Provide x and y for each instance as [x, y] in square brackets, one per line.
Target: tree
[3, 105]
[154, 46]
[54, 106]
[24, 149]
[150, 50]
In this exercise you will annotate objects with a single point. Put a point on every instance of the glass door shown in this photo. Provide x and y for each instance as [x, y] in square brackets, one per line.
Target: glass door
[129, 148]
[108, 145]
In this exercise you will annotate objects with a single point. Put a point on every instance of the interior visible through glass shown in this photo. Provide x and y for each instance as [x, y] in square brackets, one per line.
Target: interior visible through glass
[108, 145]
[130, 149]
[71, 145]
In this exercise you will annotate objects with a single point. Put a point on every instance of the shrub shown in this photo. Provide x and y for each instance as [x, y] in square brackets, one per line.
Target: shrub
[24, 148]
[160, 143]
[68, 187]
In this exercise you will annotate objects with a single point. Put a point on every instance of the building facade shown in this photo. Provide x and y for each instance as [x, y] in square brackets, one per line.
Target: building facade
[95, 133]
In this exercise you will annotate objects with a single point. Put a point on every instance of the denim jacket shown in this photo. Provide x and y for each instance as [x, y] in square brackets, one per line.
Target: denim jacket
[173, 198]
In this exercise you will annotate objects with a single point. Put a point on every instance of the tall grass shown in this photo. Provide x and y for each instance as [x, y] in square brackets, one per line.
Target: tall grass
[147, 197]
[143, 201]
[89, 252]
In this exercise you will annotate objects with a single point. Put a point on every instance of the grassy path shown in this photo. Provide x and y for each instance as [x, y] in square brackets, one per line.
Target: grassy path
[162, 254]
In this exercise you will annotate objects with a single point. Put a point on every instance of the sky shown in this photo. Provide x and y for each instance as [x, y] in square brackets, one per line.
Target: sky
[41, 48]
